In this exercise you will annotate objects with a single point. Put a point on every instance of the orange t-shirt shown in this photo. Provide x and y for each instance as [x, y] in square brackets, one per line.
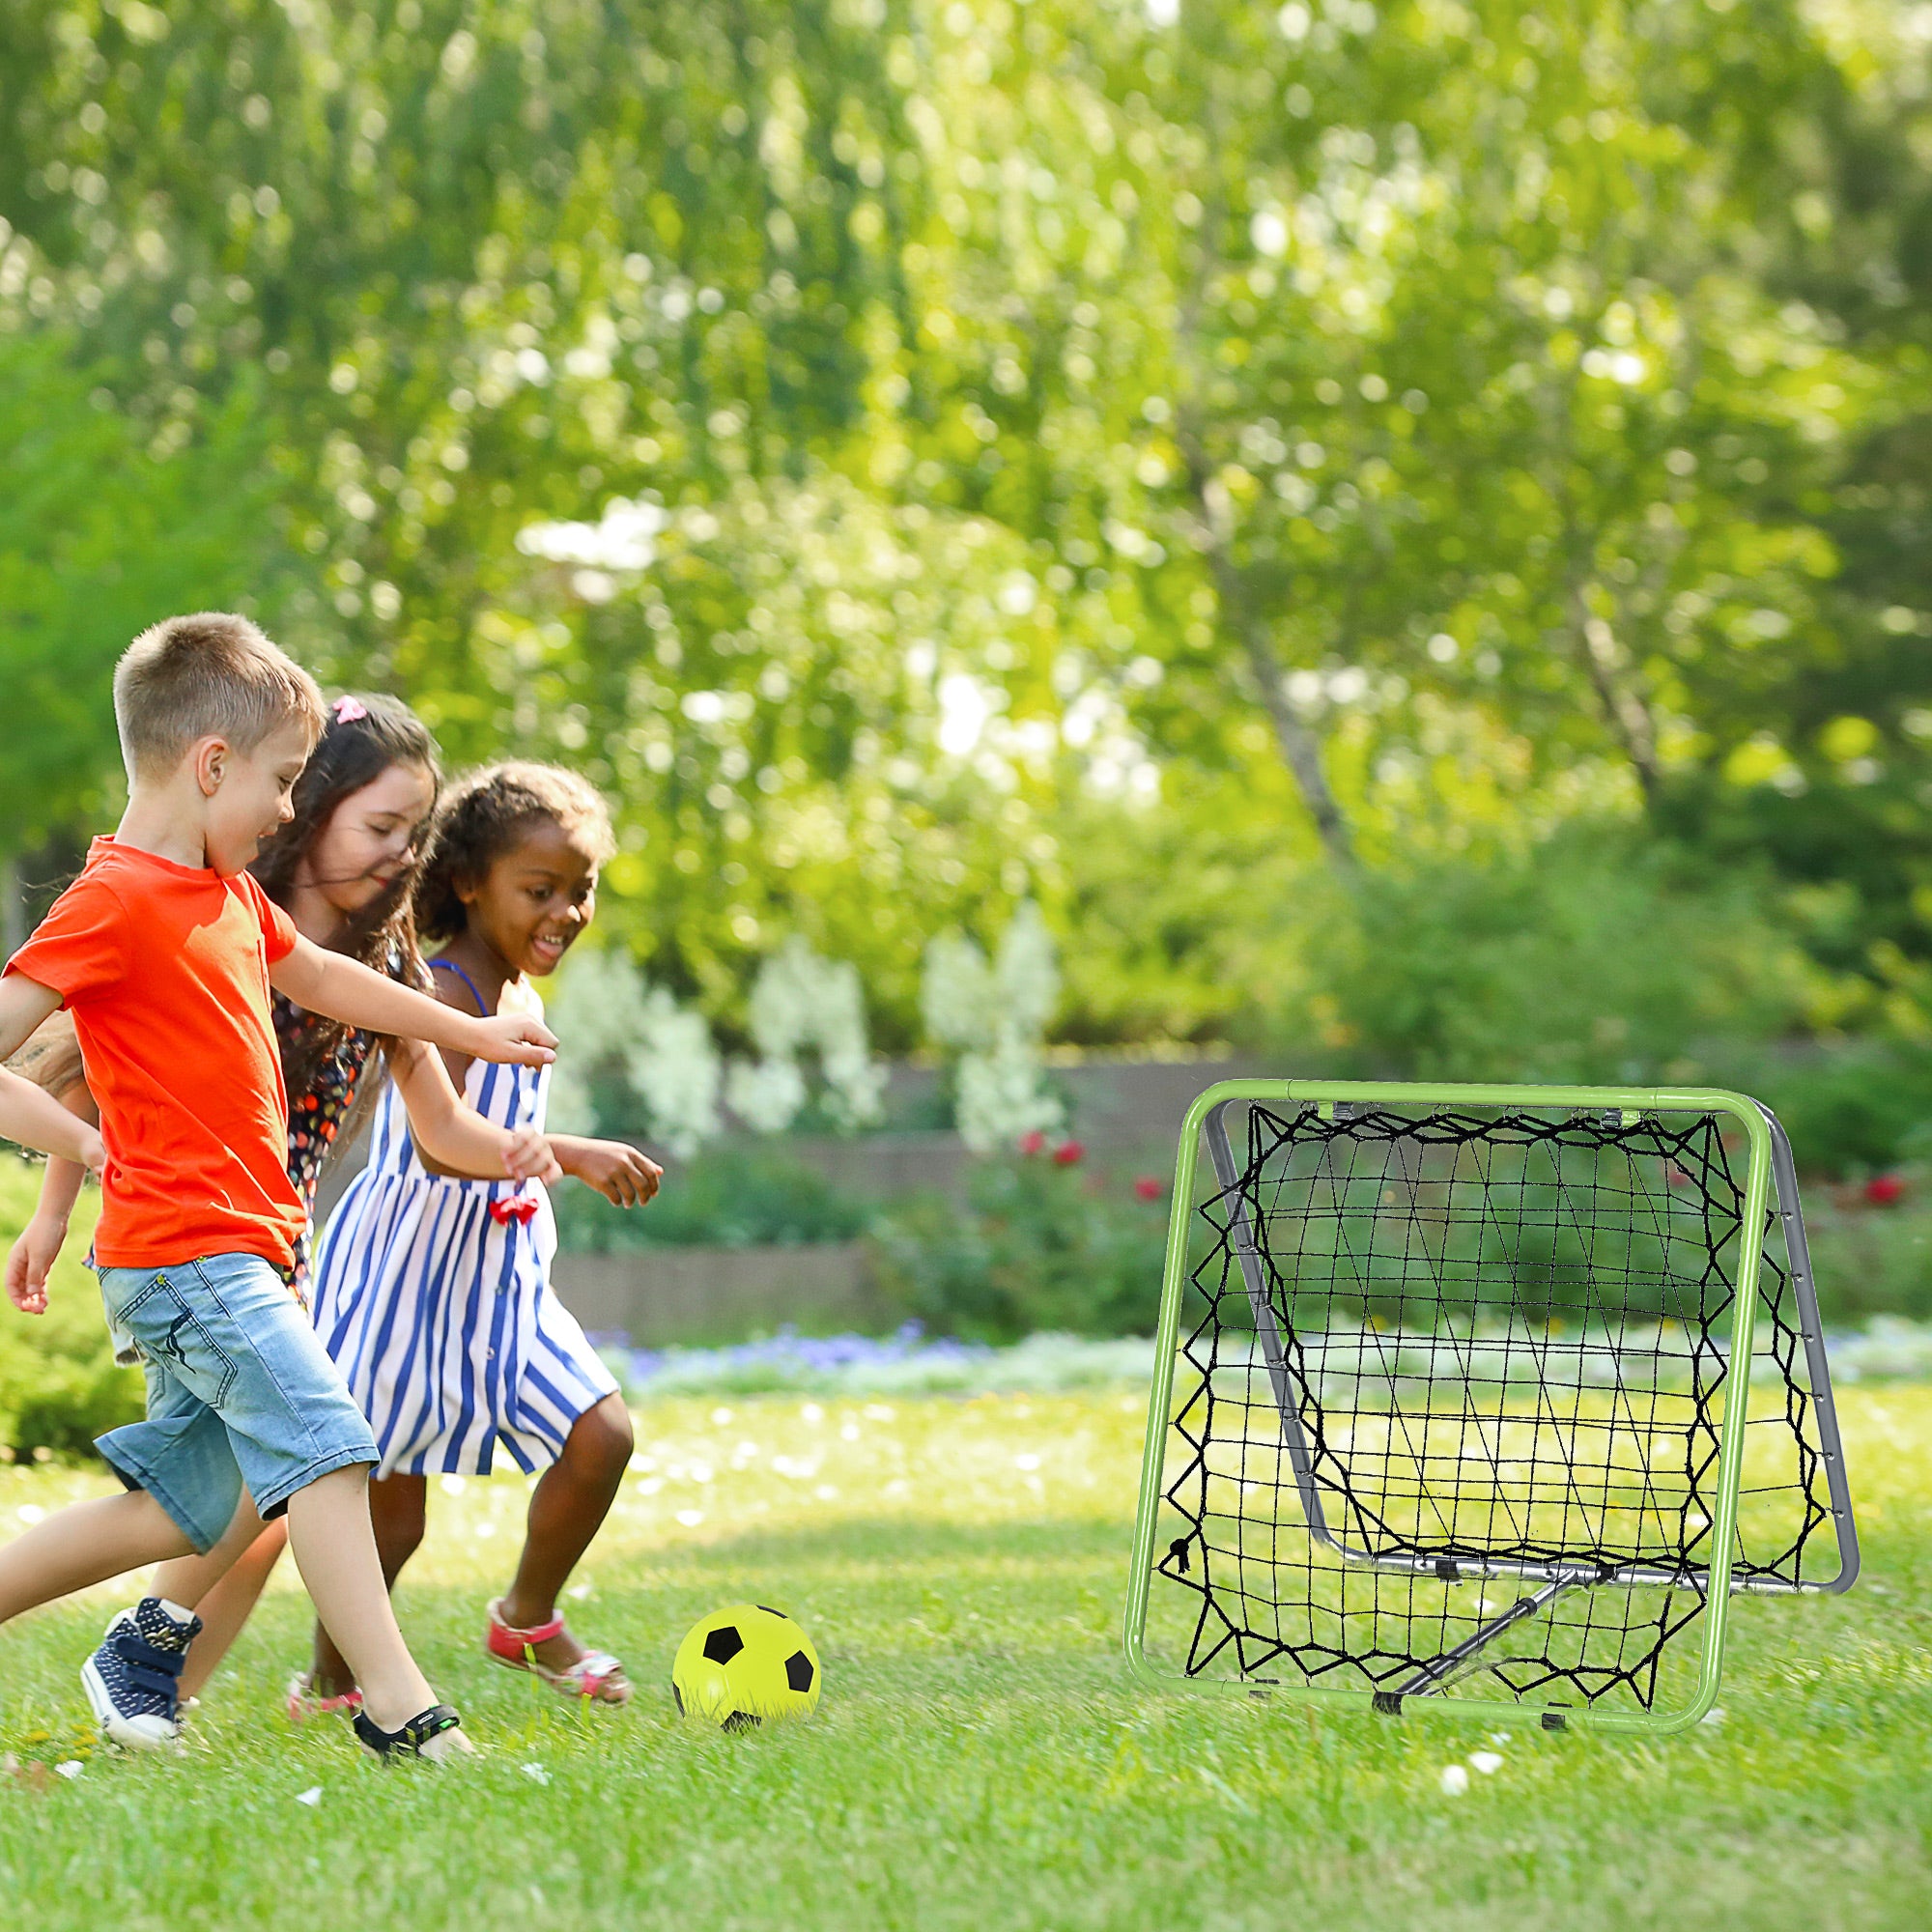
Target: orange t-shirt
[165, 968]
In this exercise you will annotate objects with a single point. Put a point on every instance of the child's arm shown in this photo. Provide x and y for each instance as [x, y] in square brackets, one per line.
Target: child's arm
[41, 1241]
[27, 1115]
[618, 1172]
[345, 990]
[452, 1137]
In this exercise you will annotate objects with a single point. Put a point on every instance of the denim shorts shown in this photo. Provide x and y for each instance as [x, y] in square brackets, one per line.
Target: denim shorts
[239, 1391]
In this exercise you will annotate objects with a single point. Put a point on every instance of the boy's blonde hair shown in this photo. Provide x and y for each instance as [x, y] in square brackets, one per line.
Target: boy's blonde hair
[209, 675]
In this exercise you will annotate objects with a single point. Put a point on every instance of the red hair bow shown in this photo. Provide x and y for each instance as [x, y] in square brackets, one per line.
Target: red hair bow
[521, 1208]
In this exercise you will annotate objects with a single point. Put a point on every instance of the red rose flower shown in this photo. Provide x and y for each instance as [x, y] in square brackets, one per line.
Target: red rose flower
[1033, 1143]
[1069, 1153]
[1148, 1189]
[1882, 1190]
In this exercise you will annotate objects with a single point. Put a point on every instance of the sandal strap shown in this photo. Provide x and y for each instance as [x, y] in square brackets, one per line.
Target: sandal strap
[536, 1633]
[414, 1734]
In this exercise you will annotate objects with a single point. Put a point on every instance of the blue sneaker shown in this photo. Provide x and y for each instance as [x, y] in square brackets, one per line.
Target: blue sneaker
[133, 1680]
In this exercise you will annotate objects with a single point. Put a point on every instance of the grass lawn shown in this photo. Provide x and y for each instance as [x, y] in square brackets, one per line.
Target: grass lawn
[981, 1759]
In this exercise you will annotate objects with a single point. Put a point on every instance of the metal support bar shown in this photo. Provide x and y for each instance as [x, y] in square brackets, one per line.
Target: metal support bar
[1437, 1675]
[1804, 1292]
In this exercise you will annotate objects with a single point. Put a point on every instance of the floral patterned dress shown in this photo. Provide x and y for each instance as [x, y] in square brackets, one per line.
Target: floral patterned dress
[316, 1117]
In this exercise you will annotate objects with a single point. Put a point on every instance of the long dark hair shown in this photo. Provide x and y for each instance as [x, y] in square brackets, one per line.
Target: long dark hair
[364, 736]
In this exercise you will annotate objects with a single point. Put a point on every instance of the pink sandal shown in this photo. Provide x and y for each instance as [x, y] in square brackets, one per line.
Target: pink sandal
[596, 1676]
[304, 1702]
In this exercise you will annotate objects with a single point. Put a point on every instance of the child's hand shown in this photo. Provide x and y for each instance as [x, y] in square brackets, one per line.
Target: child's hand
[33, 1255]
[515, 1037]
[619, 1173]
[529, 1156]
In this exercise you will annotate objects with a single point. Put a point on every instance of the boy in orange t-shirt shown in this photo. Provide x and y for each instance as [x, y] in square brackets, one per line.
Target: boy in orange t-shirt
[164, 950]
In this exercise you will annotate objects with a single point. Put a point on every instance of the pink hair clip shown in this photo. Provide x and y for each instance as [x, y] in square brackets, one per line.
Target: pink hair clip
[348, 710]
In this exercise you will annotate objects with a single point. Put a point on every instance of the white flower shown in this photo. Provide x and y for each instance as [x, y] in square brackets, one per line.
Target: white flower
[1488, 1763]
[536, 1773]
[71, 1767]
[995, 1014]
[1455, 1781]
[802, 1002]
[691, 1519]
[312, 1796]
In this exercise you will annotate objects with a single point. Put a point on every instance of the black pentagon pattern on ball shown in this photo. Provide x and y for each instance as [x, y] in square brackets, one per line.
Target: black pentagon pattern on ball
[743, 1721]
[798, 1672]
[724, 1644]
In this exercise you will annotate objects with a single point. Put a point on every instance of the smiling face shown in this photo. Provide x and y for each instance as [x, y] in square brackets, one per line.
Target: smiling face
[370, 838]
[536, 898]
[247, 793]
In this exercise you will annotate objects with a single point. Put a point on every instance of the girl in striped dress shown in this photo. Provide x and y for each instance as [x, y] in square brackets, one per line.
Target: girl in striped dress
[433, 1291]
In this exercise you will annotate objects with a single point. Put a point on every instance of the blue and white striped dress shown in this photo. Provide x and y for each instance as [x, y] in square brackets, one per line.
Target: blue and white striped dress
[440, 1314]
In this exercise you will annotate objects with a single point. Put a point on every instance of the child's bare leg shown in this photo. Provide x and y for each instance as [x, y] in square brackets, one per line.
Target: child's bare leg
[188, 1579]
[86, 1544]
[335, 1550]
[397, 1512]
[567, 1509]
[226, 1608]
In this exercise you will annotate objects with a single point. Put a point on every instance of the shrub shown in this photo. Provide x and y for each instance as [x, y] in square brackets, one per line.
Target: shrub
[1850, 1109]
[724, 1197]
[1590, 959]
[59, 1387]
[1036, 1248]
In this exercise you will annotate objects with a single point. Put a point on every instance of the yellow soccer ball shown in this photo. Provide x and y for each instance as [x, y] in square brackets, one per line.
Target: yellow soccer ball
[743, 1666]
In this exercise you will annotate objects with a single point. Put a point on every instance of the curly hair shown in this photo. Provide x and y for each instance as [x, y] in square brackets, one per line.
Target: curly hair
[363, 737]
[481, 819]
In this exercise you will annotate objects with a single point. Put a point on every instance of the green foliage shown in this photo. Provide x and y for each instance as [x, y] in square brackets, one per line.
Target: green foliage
[1852, 1109]
[1039, 1247]
[59, 1387]
[1871, 1261]
[1446, 428]
[1583, 960]
[724, 1197]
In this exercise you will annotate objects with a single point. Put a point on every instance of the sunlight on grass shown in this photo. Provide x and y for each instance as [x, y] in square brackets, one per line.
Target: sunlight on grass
[980, 1757]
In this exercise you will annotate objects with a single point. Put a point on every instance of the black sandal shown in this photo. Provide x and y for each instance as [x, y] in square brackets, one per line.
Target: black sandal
[407, 1742]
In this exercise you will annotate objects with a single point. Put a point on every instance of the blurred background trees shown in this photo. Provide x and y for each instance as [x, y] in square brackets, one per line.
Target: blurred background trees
[1403, 528]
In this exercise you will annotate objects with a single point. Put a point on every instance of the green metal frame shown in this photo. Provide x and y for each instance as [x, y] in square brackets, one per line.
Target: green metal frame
[1747, 1115]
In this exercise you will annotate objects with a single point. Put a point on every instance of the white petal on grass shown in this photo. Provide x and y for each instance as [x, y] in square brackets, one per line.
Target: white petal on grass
[453, 1486]
[825, 1493]
[578, 1592]
[1455, 1781]
[1485, 1762]
[721, 1416]
[312, 1796]
[536, 1773]
[1714, 1715]
[30, 1513]
[691, 1519]
[1028, 1462]
[70, 1767]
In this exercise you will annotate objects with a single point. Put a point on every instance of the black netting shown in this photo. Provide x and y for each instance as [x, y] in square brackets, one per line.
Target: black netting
[1457, 1420]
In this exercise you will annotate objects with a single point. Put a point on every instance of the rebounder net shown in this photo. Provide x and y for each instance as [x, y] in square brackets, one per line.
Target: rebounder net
[1448, 1405]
